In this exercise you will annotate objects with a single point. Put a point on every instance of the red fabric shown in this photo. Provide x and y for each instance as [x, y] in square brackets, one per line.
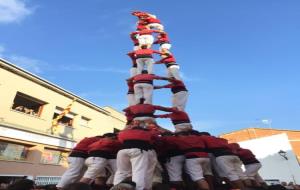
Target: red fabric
[176, 116]
[132, 57]
[144, 77]
[84, 143]
[192, 141]
[162, 38]
[146, 32]
[135, 134]
[245, 154]
[214, 142]
[151, 20]
[105, 144]
[129, 116]
[145, 108]
[171, 142]
[146, 52]
[130, 85]
[169, 59]
[133, 37]
[141, 25]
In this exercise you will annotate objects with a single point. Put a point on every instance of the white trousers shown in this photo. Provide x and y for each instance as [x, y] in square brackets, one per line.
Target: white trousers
[156, 26]
[145, 39]
[143, 90]
[95, 167]
[173, 71]
[174, 168]
[73, 173]
[197, 168]
[133, 71]
[112, 168]
[131, 99]
[251, 170]
[165, 46]
[183, 127]
[215, 166]
[157, 177]
[232, 167]
[140, 164]
[179, 100]
[143, 62]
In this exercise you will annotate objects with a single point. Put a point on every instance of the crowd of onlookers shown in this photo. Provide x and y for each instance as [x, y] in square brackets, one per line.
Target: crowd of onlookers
[26, 184]
[25, 110]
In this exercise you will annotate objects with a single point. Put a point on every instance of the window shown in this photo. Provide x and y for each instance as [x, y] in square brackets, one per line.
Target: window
[66, 120]
[27, 104]
[10, 151]
[50, 156]
[84, 121]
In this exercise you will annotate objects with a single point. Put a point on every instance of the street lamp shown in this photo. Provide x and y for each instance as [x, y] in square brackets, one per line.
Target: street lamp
[283, 154]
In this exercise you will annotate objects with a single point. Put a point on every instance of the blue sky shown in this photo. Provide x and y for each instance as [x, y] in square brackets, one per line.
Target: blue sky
[239, 59]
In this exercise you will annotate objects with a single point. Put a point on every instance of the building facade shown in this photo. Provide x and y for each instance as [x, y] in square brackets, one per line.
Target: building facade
[254, 133]
[28, 145]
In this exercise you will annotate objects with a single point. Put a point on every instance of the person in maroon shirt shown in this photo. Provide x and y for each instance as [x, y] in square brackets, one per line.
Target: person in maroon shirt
[252, 165]
[153, 22]
[145, 112]
[130, 93]
[133, 37]
[180, 120]
[144, 57]
[180, 93]
[164, 42]
[145, 37]
[102, 154]
[76, 161]
[197, 162]
[136, 157]
[170, 62]
[226, 163]
[143, 86]
[133, 69]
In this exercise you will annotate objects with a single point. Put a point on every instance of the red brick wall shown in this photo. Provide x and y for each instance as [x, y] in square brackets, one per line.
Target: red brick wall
[253, 133]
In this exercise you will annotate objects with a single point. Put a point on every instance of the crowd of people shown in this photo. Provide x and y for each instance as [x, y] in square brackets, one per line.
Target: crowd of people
[149, 156]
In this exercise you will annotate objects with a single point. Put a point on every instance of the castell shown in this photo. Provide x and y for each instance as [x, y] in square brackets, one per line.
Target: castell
[144, 155]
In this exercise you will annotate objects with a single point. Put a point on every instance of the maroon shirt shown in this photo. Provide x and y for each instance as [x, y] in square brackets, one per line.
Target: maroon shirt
[146, 32]
[150, 20]
[145, 78]
[145, 53]
[177, 117]
[134, 38]
[176, 86]
[193, 146]
[81, 148]
[105, 147]
[217, 146]
[162, 38]
[246, 156]
[144, 110]
[133, 58]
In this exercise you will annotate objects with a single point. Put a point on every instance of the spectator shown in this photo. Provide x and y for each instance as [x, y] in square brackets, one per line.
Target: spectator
[23, 184]
[78, 186]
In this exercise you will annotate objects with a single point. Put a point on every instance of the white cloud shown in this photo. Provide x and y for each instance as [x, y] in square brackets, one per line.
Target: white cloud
[13, 11]
[32, 65]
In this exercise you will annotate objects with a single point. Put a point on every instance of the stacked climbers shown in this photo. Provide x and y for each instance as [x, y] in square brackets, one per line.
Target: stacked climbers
[140, 154]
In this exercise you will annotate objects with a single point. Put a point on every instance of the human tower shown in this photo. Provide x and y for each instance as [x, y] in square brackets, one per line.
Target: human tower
[140, 85]
[137, 156]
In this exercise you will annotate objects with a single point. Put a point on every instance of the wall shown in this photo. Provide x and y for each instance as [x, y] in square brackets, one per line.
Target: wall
[274, 166]
[253, 133]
